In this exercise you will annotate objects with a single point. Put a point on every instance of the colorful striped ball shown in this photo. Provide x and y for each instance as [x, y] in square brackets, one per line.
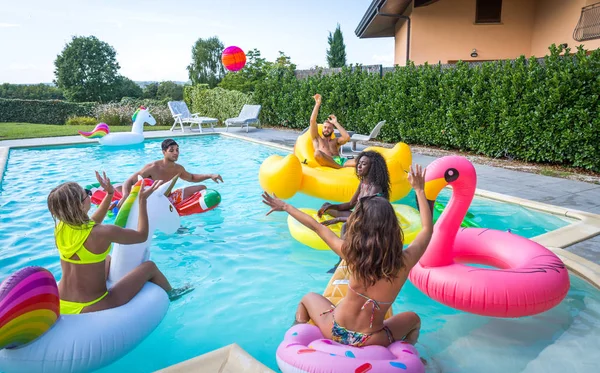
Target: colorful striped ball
[233, 58]
[29, 306]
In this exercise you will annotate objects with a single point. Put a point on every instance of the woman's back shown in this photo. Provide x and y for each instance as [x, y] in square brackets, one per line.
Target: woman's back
[363, 308]
[82, 280]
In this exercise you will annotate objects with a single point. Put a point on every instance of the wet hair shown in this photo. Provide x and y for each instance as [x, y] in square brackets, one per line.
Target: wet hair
[168, 142]
[378, 173]
[373, 241]
[65, 203]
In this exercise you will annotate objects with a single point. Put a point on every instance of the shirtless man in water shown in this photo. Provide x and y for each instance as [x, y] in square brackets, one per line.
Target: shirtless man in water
[166, 169]
[327, 149]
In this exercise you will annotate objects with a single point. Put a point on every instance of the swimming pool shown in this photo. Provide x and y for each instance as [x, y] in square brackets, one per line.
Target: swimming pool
[250, 274]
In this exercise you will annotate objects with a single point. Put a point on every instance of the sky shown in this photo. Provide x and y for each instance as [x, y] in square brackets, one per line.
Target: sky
[154, 39]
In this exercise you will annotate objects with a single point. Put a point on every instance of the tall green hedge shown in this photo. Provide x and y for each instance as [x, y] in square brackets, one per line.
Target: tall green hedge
[43, 111]
[534, 110]
[215, 103]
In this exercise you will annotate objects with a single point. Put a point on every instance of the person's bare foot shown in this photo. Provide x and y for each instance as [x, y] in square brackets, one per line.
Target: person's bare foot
[179, 292]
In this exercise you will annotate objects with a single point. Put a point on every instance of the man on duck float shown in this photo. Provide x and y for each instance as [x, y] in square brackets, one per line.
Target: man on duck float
[327, 148]
[167, 169]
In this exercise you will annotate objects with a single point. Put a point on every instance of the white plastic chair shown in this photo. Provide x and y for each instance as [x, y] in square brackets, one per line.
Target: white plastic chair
[182, 115]
[358, 137]
[248, 115]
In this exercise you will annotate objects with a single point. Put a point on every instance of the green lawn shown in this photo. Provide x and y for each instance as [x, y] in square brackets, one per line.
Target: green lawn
[13, 131]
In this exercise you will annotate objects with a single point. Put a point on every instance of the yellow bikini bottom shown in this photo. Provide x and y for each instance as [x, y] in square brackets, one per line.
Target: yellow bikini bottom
[75, 308]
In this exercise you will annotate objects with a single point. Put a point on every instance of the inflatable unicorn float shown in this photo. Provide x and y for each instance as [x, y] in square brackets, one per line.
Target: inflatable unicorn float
[136, 136]
[34, 337]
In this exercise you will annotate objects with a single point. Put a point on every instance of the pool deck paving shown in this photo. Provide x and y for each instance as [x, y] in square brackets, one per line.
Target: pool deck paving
[569, 194]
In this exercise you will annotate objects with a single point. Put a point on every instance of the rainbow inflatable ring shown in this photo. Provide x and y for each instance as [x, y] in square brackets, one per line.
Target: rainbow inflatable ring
[29, 306]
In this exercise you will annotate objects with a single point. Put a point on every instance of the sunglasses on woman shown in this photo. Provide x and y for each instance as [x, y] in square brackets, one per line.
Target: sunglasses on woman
[88, 193]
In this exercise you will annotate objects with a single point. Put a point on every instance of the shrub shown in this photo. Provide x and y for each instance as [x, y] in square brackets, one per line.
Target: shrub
[217, 102]
[82, 121]
[119, 114]
[30, 92]
[540, 110]
[43, 111]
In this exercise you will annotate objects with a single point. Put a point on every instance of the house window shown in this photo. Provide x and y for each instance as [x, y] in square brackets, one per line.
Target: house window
[488, 11]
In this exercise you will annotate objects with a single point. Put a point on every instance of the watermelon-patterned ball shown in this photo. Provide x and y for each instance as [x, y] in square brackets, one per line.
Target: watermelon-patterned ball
[233, 58]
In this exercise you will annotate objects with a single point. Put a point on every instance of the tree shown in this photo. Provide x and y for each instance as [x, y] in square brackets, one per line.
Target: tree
[255, 70]
[245, 79]
[87, 70]
[336, 54]
[170, 90]
[206, 66]
[150, 90]
[284, 61]
[128, 88]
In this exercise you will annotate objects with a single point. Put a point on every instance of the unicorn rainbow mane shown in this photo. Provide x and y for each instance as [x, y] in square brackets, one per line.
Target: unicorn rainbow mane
[123, 214]
[134, 116]
[99, 131]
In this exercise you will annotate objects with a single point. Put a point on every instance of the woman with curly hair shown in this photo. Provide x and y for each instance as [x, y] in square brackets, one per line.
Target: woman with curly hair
[374, 177]
[378, 268]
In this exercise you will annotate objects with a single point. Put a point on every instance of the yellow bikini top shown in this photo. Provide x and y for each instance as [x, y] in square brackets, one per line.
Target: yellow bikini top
[70, 239]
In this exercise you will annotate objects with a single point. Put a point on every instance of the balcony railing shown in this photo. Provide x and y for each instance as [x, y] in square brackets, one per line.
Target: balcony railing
[588, 27]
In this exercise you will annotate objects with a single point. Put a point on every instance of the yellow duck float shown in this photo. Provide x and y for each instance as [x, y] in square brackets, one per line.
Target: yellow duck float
[300, 172]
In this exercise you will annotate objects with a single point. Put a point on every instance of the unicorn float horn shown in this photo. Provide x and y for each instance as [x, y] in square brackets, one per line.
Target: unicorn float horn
[171, 186]
[29, 306]
[99, 131]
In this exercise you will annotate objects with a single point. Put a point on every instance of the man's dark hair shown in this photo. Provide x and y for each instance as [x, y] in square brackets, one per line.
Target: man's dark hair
[168, 142]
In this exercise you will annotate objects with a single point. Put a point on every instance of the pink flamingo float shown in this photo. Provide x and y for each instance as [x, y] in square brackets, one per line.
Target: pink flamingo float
[527, 279]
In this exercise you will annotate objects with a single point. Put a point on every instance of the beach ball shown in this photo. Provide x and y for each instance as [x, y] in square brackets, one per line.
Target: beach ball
[233, 58]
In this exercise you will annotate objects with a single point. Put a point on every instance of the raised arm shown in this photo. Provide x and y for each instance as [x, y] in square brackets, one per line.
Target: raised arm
[345, 137]
[333, 241]
[417, 248]
[314, 129]
[125, 236]
[100, 213]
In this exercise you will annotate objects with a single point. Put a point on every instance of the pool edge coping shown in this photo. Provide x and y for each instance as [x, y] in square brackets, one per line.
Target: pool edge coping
[586, 226]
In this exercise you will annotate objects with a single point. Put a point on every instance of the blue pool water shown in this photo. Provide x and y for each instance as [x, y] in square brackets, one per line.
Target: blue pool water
[250, 274]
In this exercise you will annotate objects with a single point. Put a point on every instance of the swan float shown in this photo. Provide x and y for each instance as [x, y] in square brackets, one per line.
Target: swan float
[34, 337]
[136, 136]
[528, 278]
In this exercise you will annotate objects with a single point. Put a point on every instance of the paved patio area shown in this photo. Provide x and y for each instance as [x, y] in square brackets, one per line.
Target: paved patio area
[556, 191]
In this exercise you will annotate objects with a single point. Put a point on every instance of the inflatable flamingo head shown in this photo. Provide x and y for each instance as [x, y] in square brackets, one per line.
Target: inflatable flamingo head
[453, 170]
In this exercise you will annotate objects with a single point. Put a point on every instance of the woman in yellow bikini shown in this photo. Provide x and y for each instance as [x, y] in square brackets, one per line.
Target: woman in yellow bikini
[83, 245]
[378, 267]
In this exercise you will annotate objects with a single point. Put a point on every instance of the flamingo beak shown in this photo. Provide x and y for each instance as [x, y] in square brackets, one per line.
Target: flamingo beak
[434, 187]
